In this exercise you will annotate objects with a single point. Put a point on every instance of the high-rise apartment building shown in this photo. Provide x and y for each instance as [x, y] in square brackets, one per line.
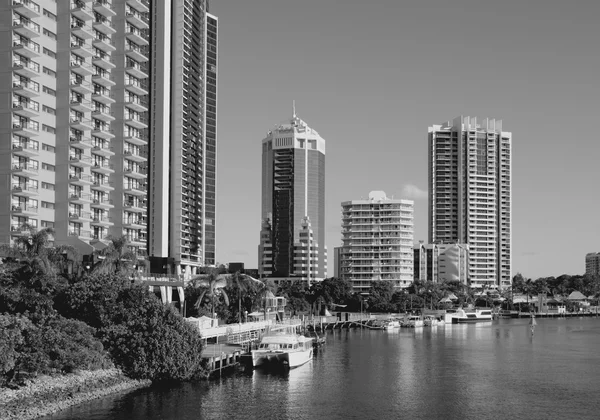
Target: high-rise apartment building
[292, 242]
[183, 137]
[592, 264]
[441, 262]
[79, 119]
[377, 241]
[470, 195]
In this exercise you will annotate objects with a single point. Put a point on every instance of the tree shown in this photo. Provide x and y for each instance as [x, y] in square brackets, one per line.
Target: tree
[33, 254]
[380, 296]
[117, 257]
[335, 291]
[242, 285]
[212, 286]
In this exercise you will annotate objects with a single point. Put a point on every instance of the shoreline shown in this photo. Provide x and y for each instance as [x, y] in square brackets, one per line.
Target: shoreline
[48, 395]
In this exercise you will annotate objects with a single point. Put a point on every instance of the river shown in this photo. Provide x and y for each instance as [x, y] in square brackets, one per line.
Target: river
[484, 371]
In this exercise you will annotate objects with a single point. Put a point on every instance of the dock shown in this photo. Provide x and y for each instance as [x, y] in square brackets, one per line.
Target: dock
[222, 358]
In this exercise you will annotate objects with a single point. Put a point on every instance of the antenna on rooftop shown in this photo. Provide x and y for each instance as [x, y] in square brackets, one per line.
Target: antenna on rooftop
[293, 108]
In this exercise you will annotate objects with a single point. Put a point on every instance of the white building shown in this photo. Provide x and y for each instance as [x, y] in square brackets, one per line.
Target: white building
[470, 183]
[592, 264]
[377, 241]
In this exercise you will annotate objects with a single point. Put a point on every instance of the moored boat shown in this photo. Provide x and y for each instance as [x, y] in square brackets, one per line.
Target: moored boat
[413, 321]
[462, 316]
[281, 345]
[391, 324]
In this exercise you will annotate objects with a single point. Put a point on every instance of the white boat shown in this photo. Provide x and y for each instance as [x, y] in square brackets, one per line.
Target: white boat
[391, 324]
[471, 315]
[413, 321]
[282, 345]
[431, 321]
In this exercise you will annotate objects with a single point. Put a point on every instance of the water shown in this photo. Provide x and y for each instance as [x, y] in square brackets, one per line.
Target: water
[484, 371]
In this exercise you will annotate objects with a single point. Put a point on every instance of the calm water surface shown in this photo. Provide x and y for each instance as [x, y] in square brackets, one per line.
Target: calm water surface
[484, 371]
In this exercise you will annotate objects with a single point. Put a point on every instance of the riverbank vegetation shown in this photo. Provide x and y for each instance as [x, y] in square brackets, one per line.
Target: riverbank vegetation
[58, 320]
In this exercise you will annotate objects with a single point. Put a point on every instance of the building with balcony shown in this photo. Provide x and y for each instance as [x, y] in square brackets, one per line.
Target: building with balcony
[470, 183]
[377, 241]
[81, 136]
[441, 263]
[292, 239]
[592, 264]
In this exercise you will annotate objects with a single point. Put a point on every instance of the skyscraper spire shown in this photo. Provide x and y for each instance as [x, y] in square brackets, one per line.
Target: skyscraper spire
[293, 108]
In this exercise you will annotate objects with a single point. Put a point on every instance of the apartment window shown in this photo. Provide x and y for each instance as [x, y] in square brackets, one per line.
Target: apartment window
[48, 186]
[48, 110]
[47, 224]
[48, 148]
[47, 205]
[49, 91]
[49, 53]
[49, 34]
[48, 129]
[48, 167]
[49, 15]
[49, 72]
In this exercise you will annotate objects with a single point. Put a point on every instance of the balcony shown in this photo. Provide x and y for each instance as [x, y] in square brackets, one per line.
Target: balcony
[81, 105]
[80, 179]
[80, 198]
[80, 161]
[25, 149]
[134, 223]
[26, 28]
[84, 216]
[82, 30]
[104, 44]
[103, 115]
[81, 10]
[27, 8]
[135, 155]
[104, 97]
[27, 69]
[24, 169]
[136, 87]
[24, 190]
[81, 124]
[102, 221]
[103, 133]
[137, 140]
[81, 68]
[134, 189]
[103, 150]
[81, 86]
[103, 168]
[104, 79]
[138, 36]
[104, 7]
[28, 90]
[141, 5]
[104, 61]
[19, 230]
[26, 49]
[137, 173]
[81, 49]
[137, 206]
[136, 121]
[136, 70]
[84, 235]
[102, 185]
[24, 210]
[136, 104]
[80, 142]
[139, 54]
[102, 203]
[26, 109]
[26, 129]
[138, 240]
[137, 19]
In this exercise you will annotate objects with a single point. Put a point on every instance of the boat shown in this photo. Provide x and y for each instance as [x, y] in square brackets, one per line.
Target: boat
[413, 321]
[462, 316]
[283, 346]
[391, 324]
[431, 321]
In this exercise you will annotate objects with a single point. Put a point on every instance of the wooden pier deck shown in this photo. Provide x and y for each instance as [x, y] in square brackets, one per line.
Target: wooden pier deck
[221, 358]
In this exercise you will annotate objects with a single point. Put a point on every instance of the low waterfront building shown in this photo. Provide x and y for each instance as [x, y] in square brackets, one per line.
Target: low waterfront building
[377, 237]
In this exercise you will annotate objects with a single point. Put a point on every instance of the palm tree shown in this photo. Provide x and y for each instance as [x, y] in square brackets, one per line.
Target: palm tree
[243, 284]
[35, 254]
[117, 257]
[213, 285]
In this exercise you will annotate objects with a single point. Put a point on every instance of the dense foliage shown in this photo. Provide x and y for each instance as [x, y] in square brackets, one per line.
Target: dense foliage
[54, 322]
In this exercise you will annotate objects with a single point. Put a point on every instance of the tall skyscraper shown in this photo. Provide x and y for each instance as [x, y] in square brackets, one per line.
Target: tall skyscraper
[377, 241]
[470, 195]
[592, 264]
[292, 243]
[80, 130]
[183, 137]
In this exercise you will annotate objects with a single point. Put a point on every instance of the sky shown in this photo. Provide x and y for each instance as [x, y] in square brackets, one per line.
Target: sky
[372, 76]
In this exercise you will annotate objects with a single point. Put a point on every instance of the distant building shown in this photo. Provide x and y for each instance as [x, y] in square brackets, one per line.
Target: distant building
[592, 264]
[441, 262]
[337, 260]
[470, 187]
[292, 239]
[377, 238]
